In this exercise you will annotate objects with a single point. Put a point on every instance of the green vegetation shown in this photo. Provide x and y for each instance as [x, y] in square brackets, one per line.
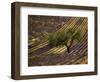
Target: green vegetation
[64, 38]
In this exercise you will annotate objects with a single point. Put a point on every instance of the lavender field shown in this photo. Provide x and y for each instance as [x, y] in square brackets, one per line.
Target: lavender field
[62, 48]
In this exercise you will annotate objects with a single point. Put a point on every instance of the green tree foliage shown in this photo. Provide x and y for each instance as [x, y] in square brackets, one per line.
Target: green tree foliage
[64, 38]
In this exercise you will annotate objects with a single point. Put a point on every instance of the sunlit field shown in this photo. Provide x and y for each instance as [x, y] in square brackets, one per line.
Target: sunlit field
[57, 40]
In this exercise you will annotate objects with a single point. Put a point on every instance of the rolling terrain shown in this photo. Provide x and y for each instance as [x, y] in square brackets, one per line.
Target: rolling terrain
[39, 51]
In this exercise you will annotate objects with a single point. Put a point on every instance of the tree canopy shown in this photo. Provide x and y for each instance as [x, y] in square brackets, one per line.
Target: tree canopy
[64, 38]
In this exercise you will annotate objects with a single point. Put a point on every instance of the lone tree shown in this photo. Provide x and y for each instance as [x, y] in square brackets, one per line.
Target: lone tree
[64, 38]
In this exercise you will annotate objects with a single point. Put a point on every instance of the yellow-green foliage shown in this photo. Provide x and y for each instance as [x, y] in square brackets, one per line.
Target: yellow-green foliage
[65, 37]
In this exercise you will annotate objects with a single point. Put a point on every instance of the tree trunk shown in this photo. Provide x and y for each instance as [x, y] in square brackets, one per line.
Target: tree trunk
[68, 49]
[70, 44]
